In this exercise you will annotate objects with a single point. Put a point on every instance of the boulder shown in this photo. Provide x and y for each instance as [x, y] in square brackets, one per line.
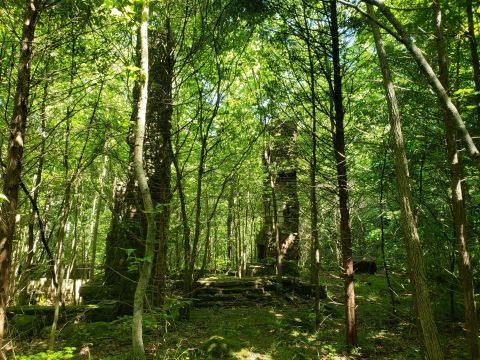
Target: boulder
[364, 266]
[26, 325]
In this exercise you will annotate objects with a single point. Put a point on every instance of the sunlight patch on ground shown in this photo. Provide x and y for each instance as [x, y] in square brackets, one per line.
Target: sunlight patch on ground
[246, 354]
[383, 334]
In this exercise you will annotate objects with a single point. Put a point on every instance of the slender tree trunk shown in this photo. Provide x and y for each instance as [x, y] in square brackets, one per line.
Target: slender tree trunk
[458, 204]
[229, 226]
[474, 56]
[31, 243]
[98, 211]
[341, 165]
[275, 230]
[428, 328]
[138, 351]
[38, 179]
[12, 180]
[59, 263]
[315, 246]
[408, 41]
[382, 230]
[188, 282]
[185, 225]
[71, 267]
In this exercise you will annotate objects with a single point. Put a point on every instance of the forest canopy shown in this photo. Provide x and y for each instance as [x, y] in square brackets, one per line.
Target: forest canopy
[164, 159]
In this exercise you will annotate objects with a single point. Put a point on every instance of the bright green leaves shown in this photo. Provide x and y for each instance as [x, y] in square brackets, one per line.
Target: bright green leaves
[135, 261]
[124, 9]
[66, 353]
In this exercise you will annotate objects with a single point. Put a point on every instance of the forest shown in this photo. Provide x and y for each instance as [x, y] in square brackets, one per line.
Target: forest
[239, 179]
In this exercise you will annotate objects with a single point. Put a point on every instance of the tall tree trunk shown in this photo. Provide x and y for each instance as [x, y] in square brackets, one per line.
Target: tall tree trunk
[229, 226]
[138, 351]
[264, 239]
[315, 246]
[59, 262]
[458, 204]
[472, 40]
[428, 328]
[38, 179]
[185, 224]
[97, 204]
[341, 165]
[12, 180]
[198, 211]
[31, 242]
[276, 231]
[382, 230]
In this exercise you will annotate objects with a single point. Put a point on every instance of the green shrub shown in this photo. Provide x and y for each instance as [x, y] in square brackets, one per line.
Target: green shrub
[66, 353]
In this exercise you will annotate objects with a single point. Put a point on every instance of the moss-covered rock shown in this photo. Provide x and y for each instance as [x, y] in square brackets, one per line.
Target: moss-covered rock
[107, 310]
[26, 325]
[95, 291]
[80, 334]
[217, 347]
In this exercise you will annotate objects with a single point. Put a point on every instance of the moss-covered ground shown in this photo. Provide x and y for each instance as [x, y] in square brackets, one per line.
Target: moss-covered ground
[282, 330]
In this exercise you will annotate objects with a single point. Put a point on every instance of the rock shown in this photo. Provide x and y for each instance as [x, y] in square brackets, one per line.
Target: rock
[217, 347]
[364, 266]
[26, 325]
[80, 334]
[107, 310]
[94, 292]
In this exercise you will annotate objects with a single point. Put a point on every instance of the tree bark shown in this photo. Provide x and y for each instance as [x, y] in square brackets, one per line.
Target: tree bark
[229, 226]
[31, 243]
[382, 231]
[11, 185]
[96, 221]
[59, 261]
[458, 203]
[341, 166]
[160, 109]
[428, 328]
[138, 351]
[315, 246]
[472, 40]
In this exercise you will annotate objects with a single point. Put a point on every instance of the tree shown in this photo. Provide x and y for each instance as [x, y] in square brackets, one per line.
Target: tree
[12, 180]
[428, 328]
[341, 166]
[457, 191]
[138, 351]
[407, 40]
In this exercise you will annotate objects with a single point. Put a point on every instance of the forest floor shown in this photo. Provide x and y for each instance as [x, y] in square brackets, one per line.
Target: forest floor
[282, 329]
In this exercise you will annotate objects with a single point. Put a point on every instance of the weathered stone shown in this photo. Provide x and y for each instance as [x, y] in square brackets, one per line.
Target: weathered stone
[217, 347]
[80, 334]
[26, 325]
[364, 266]
[94, 292]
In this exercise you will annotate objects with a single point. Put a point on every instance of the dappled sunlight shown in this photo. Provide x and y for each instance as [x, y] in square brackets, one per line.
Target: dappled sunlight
[247, 354]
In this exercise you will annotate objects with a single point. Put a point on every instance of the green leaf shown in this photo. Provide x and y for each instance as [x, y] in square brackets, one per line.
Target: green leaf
[464, 91]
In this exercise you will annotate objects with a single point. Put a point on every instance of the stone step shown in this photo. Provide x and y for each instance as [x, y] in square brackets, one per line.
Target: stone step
[238, 283]
[223, 304]
[215, 297]
[233, 290]
[235, 297]
[245, 301]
